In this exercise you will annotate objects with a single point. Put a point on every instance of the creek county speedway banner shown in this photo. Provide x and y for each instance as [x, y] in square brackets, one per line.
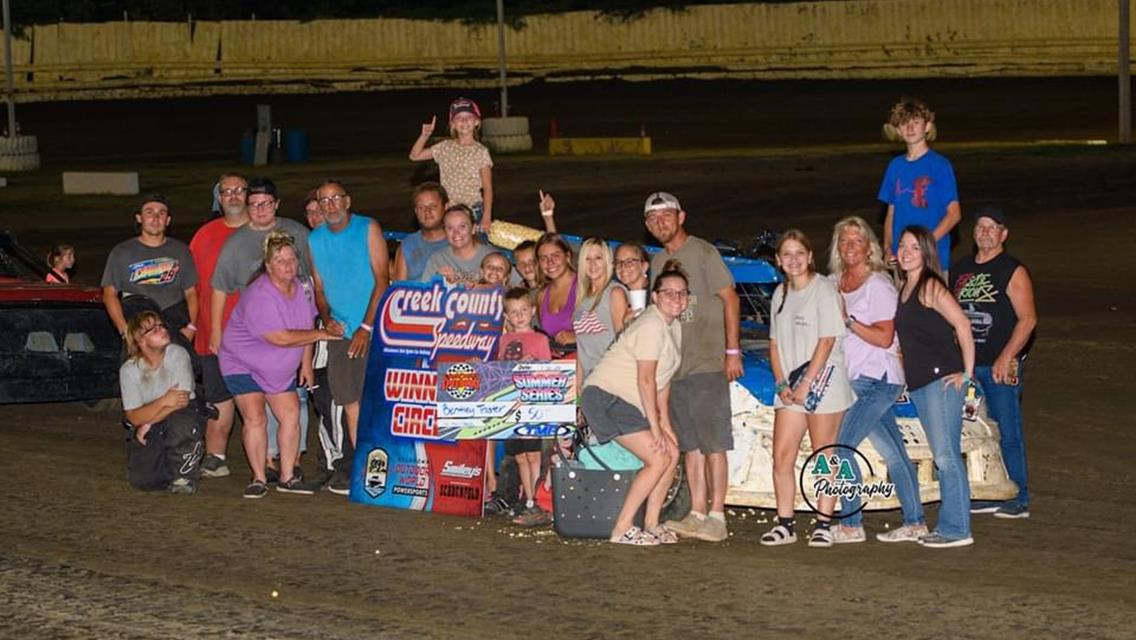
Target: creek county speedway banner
[400, 459]
[506, 399]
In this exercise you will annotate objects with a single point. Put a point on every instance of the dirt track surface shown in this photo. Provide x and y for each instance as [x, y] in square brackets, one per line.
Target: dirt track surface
[83, 556]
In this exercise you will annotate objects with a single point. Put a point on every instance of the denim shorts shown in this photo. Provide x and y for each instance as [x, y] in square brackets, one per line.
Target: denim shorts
[242, 383]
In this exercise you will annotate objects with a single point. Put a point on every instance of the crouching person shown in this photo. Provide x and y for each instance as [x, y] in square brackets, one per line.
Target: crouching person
[165, 445]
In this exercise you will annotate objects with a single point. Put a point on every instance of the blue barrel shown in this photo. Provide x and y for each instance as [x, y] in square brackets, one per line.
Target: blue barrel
[248, 148]
[296, 148]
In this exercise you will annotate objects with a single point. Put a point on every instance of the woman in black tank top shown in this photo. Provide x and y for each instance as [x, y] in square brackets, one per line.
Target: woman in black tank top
[938, 362]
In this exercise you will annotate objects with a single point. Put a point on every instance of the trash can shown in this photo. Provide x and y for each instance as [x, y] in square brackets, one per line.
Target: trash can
[296, 148]
[248, 148]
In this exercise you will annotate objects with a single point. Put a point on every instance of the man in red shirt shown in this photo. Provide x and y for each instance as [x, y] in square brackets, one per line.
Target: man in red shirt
[206, 247]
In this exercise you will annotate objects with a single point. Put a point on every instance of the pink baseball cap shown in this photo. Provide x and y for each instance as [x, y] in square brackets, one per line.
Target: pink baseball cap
[464, 105]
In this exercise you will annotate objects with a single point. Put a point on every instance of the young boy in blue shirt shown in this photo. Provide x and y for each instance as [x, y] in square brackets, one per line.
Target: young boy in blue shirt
[919, 186]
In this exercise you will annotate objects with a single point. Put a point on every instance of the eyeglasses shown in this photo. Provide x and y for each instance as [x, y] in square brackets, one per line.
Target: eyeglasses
[674, 294]
[262, 205]
[629, 262]
[234, 191]
[152, 328]
[335, 198]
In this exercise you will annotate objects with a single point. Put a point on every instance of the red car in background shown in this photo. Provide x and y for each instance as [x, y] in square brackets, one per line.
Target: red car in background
[57, 343]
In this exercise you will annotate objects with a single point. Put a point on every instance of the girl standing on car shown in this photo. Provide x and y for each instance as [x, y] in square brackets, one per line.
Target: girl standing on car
[871, 357]
[464, 164]
[938, 361]
[805, 332]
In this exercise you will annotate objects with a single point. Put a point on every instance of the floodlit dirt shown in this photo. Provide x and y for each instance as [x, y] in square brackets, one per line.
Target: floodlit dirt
[84, 556]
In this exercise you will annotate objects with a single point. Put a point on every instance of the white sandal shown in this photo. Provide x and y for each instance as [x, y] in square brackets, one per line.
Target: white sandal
[636, 538]
[778, 536]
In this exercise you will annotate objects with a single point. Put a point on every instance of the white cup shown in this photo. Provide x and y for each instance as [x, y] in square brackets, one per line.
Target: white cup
[638, 299]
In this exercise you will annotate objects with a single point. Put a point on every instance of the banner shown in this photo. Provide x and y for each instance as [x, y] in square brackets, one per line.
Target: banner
[502, 400]
[400, 459]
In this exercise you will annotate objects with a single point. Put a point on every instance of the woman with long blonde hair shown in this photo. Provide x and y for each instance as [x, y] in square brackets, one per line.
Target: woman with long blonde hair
[602, 308]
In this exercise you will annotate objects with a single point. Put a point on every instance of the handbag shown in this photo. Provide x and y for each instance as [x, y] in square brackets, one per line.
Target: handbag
[587, 501]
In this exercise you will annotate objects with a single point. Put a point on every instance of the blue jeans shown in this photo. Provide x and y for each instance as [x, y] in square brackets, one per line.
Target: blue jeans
[1004, 404]
[273, 446]
[940, 412]
[872, 418]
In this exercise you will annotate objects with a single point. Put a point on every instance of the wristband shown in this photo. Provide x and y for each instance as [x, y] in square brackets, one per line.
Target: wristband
[191, 327]
[781, 386]
[733, 352]
[369, 328]
[849, 322]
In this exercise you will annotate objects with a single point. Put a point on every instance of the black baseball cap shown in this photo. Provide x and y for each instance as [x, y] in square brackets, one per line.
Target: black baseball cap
[995, 214]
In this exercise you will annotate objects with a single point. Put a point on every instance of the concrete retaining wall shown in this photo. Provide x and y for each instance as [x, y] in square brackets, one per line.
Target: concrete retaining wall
[860, 39]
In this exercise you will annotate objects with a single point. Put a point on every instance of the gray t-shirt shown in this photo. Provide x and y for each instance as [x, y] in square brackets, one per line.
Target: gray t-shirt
[467, 271]
[243, 254]
[161, 273]
[703, 328]
[142, 385]
[594, 329]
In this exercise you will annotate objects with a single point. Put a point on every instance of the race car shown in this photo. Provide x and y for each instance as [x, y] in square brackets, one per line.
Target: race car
[56, 341]
[751, 400]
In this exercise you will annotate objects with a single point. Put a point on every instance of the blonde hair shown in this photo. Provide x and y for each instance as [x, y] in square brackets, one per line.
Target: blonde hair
[583, 282]
[875, 251]
[274, 242]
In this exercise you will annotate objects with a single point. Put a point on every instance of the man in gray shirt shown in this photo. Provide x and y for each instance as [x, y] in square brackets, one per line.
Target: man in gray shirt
[243, 252]
[152, 266]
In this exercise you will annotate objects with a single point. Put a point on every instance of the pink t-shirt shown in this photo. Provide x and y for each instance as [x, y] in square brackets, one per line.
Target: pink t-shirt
[261, 310]
[874, 301]
[519, 345]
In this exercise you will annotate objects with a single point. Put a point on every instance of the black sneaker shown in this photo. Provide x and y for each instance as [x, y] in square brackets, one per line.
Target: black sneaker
[256, 489]
[340, 484]
[295, 485]
[271, 475]
[214, 467]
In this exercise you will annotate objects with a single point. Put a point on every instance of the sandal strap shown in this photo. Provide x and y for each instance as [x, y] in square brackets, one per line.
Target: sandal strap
[776, 534]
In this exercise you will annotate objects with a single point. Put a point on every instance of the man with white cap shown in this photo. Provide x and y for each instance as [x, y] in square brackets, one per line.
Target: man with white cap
[711, 358]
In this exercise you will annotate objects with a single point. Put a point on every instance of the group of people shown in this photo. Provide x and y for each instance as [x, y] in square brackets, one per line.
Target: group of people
[264, 311]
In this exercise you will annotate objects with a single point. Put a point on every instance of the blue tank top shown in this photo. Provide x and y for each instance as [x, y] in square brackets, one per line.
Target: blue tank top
[344, 265]
[416, 252]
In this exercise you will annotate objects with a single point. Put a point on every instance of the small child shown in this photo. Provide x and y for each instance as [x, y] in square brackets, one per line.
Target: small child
[495, 270]
[525, 343]
[919, 187]
[464, 163]
[60, 261]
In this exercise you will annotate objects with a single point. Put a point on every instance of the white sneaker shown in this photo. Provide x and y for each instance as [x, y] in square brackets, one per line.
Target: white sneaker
[906, 533]
[846, 535]
[688, 527]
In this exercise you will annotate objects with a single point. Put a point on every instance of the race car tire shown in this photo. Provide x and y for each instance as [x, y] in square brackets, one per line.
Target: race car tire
[510, 126]
[508, 144]
[18, 145]
[21, 162]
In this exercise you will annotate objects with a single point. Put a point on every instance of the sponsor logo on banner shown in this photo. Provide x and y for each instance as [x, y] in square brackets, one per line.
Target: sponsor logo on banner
[427, 319]
[375, 478]
[460, 381]
[458, 470]
[542, 431]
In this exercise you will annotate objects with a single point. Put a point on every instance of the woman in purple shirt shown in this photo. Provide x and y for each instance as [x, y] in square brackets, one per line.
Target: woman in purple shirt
[558, 290]
[269, 337]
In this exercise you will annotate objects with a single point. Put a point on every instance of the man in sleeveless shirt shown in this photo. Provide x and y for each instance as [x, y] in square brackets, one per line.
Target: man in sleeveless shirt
[350, 268]
[711, 358]
[996, 292]
[414, 251]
